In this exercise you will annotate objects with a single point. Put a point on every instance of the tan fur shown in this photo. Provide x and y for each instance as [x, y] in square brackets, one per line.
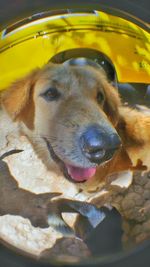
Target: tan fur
[134, 128]
[18, 100]
[60, 120]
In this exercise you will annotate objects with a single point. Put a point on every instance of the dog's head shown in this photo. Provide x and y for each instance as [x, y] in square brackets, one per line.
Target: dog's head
[70, 113]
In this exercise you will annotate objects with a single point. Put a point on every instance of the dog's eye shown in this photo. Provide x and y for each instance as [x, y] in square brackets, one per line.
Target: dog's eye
[100, 98]
[51, 94]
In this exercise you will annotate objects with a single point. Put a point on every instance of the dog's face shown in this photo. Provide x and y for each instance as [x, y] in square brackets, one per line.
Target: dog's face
[69, 113]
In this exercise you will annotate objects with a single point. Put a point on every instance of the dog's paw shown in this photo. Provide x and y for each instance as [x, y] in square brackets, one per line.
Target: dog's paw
[91, 215]
[43, 210]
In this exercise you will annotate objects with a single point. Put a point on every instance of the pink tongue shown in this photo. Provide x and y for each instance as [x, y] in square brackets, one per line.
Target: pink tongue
[80, 174]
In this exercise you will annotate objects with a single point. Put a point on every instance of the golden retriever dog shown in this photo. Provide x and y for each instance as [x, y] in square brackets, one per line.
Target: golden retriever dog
[77, 124]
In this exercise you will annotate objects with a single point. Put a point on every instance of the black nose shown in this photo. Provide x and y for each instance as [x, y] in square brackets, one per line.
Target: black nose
[98, 145]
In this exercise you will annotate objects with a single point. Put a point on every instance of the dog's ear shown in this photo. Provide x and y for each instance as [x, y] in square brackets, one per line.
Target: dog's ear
[112, 102]
[17, 100]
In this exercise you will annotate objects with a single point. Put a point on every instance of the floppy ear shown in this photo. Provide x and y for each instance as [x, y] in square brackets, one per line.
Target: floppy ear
[112, 102]
[17, 100]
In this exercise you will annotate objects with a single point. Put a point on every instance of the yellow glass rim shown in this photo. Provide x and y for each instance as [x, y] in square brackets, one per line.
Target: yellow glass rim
[32, 42]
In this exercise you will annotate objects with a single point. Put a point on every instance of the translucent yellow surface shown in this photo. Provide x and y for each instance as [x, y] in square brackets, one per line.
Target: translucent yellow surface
[32, 45]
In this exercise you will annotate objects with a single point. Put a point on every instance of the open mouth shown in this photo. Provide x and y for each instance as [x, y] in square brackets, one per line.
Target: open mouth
[72, 173]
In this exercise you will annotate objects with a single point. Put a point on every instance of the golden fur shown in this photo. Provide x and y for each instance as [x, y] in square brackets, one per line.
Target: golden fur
[60, 120]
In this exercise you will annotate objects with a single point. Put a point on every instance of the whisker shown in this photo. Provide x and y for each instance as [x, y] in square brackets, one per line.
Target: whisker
[49, 137]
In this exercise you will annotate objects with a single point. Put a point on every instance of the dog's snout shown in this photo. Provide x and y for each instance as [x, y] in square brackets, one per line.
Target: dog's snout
[93, 143]
[97, 145]
[92, 140]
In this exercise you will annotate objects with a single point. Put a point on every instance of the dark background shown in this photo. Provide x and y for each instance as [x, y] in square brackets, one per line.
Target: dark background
[12, 10]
